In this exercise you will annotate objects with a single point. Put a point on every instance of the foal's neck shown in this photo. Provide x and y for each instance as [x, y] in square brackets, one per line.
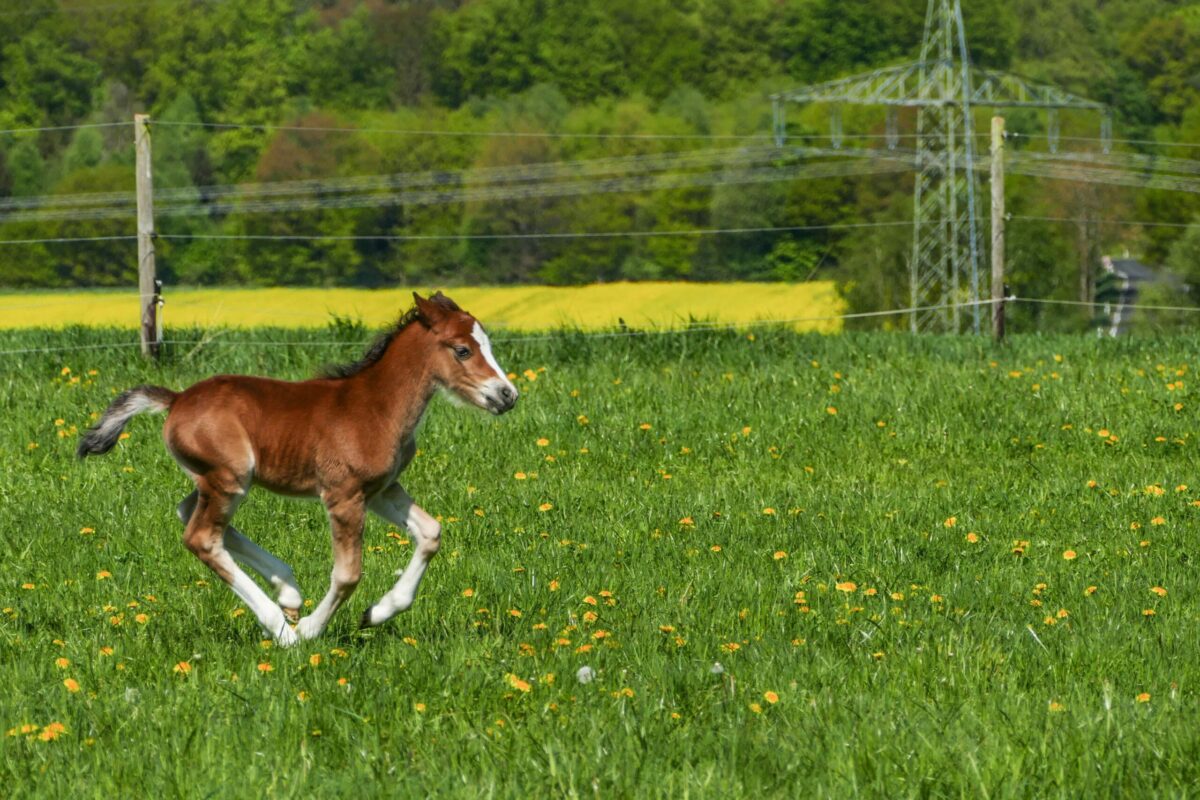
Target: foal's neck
[402, 383]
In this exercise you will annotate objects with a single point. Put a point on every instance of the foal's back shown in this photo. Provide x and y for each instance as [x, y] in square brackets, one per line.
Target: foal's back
[283, 435]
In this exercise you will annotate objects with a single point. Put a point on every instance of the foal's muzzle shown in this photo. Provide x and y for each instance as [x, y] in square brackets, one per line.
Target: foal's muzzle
[500, 399]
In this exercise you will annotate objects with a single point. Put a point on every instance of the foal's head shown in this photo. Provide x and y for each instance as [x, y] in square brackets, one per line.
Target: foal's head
[463, 361]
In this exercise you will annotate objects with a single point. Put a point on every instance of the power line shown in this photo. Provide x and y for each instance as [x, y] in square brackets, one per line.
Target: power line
[498, 192]
[435, 132]
[475, 236]
[551, 235]
[68, 239]
[66, 127]
[1095, 303]
[1129, 222]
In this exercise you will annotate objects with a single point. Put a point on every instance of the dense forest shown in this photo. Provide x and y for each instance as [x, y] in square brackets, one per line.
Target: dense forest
[306, 105]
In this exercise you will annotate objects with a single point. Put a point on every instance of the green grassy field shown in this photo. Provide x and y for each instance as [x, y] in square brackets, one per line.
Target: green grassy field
[927, 567]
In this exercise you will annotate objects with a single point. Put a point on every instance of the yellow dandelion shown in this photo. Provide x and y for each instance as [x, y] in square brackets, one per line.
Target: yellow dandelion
[1148, 612]
[846, 586]
[520, 476]
[687, 522]
[545, 506]
[831, 410]
[1089, 591]
[1158, 521]
[1069, 555]
[716, 548]
[591, 601]
[1144, 697]
[419, 708]
[517, 683]
[771, 697]
[972, 537]
[103, 575]
[554, 585]
[1056, 707]
[756, 708]
[770, 512]
[1158, 590]
[72, 685]
[645, 426]
[950, 522]
[779, 555]
[543, 442]
[265, 667]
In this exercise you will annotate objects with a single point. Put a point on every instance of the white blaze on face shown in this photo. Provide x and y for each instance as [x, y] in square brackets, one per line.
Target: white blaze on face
[485, 349]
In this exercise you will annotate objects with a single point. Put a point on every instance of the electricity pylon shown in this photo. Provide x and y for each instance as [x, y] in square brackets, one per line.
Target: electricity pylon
[943, 87]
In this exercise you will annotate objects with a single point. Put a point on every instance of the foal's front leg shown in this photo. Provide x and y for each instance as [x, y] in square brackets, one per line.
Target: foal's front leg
[395, 505]
[346, 512]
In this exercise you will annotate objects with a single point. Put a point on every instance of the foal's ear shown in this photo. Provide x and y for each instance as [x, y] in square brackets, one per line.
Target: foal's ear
[428, 311]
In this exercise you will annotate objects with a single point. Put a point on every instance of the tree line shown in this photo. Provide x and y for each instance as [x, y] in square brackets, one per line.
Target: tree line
[615, 75]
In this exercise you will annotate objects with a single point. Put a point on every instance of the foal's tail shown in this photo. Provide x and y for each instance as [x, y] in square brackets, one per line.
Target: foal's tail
[100, 438]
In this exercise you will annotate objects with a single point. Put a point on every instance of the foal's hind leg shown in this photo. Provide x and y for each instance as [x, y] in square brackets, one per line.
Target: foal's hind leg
[394, 505]
[217, 499]
[249, 554]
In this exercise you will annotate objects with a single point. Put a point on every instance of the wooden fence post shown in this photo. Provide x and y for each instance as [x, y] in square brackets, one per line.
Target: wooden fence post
[998, 228]
[148, 298]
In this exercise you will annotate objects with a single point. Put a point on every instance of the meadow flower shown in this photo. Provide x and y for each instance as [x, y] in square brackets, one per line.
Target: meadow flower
[545, 506]
[771, 697]
[265, 667]
[517, 683]
[585, 674]
[1089, 591]
[543, 442]
[950, 522]
[1069, 555]
[1158, 590]
[779, 555]
[1144, 697]
[419, 708]
[972, 537]
[846, 586]
[468, 592]
[72, 685]
[62, 663]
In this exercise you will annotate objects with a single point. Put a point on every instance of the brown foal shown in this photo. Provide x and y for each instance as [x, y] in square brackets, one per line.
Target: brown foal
[344, 438]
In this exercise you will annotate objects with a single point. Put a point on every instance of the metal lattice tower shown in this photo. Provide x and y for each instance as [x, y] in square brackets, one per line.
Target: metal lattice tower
[944, 88]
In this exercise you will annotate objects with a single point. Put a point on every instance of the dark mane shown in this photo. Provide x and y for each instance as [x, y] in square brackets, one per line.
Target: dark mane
[375, 351]
[383, 340]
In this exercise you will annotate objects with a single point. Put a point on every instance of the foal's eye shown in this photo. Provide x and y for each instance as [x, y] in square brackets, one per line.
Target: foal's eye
[462, 353]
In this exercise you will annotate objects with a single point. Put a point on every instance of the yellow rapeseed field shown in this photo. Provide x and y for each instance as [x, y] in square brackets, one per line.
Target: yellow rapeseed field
[520, 308]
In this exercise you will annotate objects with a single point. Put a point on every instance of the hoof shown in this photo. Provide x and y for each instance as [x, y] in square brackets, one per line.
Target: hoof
[287, 637]
[365, 621]
[307, 628]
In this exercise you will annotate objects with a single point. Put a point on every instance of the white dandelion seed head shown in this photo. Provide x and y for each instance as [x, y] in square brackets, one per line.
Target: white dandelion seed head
[716, 668]
[585, 674]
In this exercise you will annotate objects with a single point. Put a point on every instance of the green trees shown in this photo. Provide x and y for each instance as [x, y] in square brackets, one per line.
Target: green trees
[536, 69]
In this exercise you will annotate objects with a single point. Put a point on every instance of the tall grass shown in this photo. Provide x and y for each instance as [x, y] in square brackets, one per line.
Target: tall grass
[819, 566]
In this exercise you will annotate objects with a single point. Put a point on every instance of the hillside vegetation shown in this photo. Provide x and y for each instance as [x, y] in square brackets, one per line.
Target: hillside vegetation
[592, 70]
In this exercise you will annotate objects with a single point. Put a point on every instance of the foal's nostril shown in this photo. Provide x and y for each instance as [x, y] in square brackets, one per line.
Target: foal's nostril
[508, 394]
